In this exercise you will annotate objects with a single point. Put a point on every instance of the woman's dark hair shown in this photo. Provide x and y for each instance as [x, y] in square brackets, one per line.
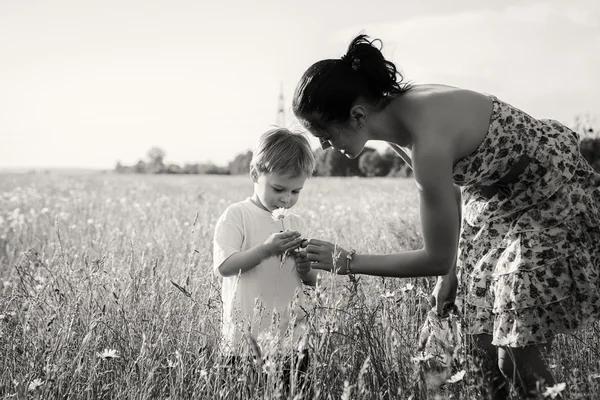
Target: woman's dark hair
[328, 88]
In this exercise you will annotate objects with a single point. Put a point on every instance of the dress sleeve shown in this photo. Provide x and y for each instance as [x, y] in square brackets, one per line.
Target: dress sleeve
[228, 237]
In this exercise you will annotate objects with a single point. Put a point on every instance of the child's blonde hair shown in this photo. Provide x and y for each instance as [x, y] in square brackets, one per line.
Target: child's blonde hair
[283, 151]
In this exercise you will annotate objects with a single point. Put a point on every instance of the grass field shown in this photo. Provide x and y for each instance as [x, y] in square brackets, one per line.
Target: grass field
[88, 265]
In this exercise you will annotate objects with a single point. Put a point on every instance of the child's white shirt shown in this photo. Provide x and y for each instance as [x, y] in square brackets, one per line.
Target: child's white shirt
[243, 226]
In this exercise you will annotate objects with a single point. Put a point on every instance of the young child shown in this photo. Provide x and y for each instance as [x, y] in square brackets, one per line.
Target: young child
[256, 253]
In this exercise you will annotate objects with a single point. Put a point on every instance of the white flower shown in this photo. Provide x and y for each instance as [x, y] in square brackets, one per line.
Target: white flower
[34, 384]
[555, 390]
[279, 213]
[456, 377]
[107, 354]
[422, 358]
[388, 294]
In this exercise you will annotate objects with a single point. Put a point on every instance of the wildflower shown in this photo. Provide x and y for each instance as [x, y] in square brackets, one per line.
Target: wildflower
[268, 367]
[34, 384]
[409, 287]
[388, 295]
[555, 390]
[44, 210]
[108, 354]
[171, 364]
[422, 358]
[456, 377]
[90, 221]
[203, 373]
[279, 213]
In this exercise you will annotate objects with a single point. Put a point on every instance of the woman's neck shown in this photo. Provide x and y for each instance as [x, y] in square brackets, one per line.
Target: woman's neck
[390, 124]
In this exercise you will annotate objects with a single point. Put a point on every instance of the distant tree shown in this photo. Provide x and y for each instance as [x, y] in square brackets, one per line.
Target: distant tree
[584, 125]
[173, 169]
[590, 140]
[333, 163]
[241, 164]
[190, 168]
[397, 165]
[590, 149]
[140, 167]
[156, 157]
[119, 168]
[372, 163]
[213, 169]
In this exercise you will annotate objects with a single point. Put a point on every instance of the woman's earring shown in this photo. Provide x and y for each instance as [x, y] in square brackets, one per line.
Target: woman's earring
[360, 124]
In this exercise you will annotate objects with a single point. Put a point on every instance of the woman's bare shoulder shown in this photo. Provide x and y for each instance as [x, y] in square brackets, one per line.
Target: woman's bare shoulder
[446, 116]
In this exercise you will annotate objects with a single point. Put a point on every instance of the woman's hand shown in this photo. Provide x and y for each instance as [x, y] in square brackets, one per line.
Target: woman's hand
[327, 256]
[444, 293]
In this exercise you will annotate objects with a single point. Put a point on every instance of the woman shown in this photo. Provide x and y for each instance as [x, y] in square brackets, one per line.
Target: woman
[525, 247]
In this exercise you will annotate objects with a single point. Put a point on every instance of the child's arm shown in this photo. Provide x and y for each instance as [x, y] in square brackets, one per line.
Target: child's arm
[243, 261]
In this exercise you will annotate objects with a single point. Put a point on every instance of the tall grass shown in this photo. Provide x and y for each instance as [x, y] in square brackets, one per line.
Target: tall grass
[96, 263]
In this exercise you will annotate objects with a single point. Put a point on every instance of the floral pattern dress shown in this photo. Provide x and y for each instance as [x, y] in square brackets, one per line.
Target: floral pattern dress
[529, 255]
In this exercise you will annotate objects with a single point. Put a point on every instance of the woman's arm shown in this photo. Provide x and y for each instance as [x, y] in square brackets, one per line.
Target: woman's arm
[439, 212]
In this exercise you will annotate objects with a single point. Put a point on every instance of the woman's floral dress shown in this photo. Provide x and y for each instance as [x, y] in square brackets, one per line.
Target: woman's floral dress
[529, 256]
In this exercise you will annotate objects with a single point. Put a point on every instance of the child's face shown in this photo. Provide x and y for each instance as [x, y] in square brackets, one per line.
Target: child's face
[275, 190]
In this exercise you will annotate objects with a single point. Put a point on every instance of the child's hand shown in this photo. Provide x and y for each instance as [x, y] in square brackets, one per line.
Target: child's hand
[279, 243]
[302, 263]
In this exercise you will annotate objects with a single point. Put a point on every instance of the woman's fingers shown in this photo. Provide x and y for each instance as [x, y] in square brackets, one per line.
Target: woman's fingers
[317, 242]
[313, 256]
[293, 243]
[311, 248]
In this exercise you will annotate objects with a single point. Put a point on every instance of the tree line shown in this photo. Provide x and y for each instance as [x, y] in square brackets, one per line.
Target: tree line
[327, 163]
[370, 163]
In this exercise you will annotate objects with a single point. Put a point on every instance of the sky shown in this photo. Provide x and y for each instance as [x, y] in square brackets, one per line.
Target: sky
[89, 83]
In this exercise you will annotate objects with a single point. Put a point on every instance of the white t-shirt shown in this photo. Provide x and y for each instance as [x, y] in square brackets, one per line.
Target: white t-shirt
[243, 226]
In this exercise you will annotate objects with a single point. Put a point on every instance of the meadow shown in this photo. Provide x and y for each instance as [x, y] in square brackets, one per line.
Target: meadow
[107, 291]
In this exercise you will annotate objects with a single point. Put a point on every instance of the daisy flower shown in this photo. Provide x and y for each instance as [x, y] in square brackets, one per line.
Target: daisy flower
[34, 384]
[555, 390]
[456, 377]
[108, 354]
[279, 213]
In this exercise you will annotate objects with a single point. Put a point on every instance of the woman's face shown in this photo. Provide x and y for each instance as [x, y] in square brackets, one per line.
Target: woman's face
[344, 139]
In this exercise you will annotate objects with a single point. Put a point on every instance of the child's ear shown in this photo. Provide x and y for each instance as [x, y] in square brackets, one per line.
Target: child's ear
[253, 174]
